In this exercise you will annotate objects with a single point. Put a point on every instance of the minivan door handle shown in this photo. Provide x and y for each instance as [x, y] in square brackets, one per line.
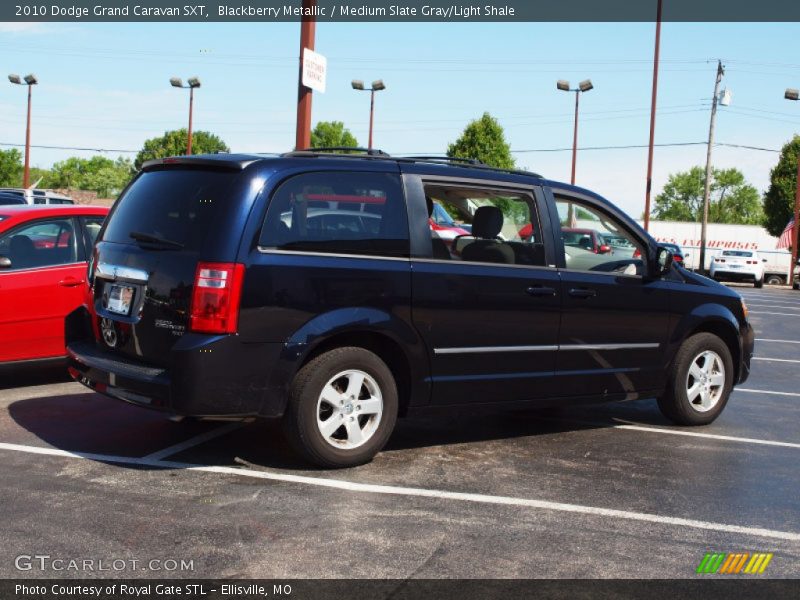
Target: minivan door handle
[582, 293]
[540, 290]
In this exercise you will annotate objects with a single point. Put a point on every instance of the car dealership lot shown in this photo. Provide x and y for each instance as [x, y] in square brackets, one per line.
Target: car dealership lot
[600, 491]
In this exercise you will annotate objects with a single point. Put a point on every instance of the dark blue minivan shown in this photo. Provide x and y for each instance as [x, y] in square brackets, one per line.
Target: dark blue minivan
[312, 287]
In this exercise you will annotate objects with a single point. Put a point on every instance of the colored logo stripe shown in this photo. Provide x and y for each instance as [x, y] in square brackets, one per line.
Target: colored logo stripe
[732, 563]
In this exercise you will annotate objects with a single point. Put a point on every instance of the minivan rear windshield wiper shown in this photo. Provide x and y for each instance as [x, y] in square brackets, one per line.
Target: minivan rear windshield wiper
[154, 239]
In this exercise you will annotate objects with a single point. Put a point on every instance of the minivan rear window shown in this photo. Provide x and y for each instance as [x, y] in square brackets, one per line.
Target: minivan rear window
[176, 205]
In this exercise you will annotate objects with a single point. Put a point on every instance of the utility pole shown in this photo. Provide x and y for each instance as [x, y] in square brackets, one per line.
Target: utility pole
[707, 191]
[652, 121]
[308, 26]
[794, 94]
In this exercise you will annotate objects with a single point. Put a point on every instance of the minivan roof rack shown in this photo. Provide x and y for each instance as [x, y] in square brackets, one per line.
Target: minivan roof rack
[366, 153]
[337, 150]
[455, 159]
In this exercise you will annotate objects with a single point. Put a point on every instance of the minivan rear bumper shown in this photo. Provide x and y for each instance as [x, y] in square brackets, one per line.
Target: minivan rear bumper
[210, 376]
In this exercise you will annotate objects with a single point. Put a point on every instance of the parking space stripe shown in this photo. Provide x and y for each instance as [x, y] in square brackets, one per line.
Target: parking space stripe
[786, 360]
[775, 305]
[712, 436]
[759, 312]
[368, 488]
[195, 441]
[778, 341]
[751, 391]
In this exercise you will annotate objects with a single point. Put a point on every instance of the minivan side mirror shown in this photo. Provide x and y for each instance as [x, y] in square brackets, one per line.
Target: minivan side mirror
[604, 249]
[664, 260]
[5, 262]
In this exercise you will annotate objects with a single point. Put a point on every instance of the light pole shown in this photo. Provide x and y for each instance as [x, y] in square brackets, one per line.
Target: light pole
[30, 81]
[583, 86]
[192, 82]
[377, 86]
[794, 94]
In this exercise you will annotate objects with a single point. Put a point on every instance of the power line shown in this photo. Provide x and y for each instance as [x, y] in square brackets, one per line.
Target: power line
[530, 150]
[68, 148]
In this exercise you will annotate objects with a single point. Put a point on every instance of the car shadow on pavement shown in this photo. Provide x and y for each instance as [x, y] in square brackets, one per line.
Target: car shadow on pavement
[25, 376]
[91, 424]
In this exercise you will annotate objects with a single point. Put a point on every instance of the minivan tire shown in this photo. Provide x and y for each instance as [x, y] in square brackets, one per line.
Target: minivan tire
[675, 403]
[309, 401]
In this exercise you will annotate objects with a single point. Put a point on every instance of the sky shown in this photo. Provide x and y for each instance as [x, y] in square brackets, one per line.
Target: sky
[106, 86]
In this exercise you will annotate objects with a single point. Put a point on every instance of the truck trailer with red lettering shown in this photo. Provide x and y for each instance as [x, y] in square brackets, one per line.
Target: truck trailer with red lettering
[721, 237]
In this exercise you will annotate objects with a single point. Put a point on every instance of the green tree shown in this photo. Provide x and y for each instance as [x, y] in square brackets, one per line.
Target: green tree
[99, 174]
[732, 199]
[10, 168]
[484, 140]
[779, 199]
[329, 134]
[173, 143]
[44, 177]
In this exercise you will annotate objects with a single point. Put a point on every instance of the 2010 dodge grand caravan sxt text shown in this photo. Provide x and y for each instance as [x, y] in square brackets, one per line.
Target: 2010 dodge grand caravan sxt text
[311, 286]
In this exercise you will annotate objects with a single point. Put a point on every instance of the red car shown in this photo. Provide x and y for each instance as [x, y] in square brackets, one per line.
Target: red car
[43, 254]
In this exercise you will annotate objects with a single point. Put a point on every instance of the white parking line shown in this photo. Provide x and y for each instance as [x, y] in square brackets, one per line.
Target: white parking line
[775, 305]
[713, 436]
[786, 360]
[196, 440]
[633, 426]
[367, 488]
[750, 391]
[759, 312]
[778, 341]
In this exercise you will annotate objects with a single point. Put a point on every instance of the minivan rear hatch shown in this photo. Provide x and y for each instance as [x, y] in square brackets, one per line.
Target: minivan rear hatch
[172, 220]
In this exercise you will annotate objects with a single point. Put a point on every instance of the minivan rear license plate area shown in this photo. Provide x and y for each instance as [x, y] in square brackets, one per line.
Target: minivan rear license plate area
[120, 299]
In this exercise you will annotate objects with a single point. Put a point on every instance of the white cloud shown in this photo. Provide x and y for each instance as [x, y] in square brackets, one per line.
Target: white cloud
[23, 28]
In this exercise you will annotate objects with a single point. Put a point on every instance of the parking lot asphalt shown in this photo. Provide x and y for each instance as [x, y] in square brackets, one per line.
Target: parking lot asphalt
[599, 491]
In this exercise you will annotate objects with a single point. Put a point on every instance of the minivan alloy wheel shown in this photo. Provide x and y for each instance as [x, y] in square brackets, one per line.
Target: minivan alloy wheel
[705, 381]
[349, 409]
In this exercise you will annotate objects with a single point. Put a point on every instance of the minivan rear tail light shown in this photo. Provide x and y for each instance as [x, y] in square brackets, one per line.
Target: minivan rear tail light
[215, 297]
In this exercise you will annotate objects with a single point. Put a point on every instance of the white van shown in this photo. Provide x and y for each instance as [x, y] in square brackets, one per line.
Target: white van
[34, 196]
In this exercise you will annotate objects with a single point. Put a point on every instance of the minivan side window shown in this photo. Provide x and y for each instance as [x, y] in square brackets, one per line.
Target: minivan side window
[594, 241]
[338, 212]
[476, 224]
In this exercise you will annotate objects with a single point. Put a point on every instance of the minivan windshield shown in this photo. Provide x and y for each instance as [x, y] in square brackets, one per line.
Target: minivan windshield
[179, 206]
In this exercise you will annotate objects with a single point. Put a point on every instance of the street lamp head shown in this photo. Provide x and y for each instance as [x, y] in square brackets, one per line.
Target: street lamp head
[176, 82]
[30, 79]
[357, 84]
[193, 82]
[563, 85]
[792, 94]
[378, 85]
[585, 85]
[15, 79]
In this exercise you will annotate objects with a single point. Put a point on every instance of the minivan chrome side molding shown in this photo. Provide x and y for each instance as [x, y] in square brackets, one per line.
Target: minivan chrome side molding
[482, 349]
[487, 349]
[113, 272]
